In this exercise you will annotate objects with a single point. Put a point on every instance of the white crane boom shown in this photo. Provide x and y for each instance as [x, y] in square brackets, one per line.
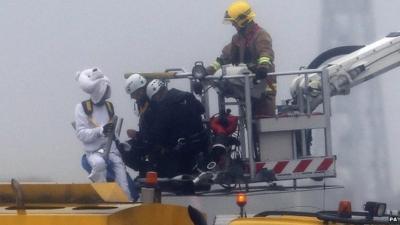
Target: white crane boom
[352, 69]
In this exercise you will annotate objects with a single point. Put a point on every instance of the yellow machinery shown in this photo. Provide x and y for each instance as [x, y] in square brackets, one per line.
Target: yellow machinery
[375, 213]
[91, 204]
[278, 220]
[301, 220]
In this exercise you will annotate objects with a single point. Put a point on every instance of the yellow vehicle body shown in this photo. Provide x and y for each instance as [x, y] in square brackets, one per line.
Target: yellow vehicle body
[277, 220]
[114, 214]
[83, 204]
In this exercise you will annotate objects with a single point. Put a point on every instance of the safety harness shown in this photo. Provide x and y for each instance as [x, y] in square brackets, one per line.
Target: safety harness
[88, 108]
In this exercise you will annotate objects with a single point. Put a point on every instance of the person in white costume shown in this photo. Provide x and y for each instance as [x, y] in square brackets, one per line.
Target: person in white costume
[92, 119]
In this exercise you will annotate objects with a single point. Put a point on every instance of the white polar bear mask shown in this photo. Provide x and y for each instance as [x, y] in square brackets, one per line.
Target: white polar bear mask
[95, 83]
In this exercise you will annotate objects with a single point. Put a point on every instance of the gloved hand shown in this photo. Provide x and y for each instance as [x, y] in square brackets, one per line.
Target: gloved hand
[261, 73]
[131, 133]
[210, 70]
[122, 146]
[107, 129]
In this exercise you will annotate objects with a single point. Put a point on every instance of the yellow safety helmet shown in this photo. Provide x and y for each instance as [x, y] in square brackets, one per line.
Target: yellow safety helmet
[239, 13]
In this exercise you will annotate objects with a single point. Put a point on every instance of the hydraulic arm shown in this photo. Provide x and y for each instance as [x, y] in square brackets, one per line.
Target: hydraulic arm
[350, 70]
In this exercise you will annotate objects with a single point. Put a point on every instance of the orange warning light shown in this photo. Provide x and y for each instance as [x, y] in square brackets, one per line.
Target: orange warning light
[344, 209]
[241, 199]
[151, 178]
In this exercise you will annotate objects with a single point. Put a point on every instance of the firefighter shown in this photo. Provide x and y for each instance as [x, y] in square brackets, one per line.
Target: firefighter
[251, 45]
[175, 129]
[93, 127]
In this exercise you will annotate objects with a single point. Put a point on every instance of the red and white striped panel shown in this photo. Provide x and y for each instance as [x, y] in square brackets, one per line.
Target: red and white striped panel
[309, 165]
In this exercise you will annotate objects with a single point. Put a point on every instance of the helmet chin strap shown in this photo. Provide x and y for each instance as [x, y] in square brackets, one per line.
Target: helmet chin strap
[242, 30]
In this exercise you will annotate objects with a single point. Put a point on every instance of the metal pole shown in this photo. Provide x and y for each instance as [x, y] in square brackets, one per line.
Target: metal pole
[221, 97]
[183, 74]
[119, 127]
[303, 143]
[205, 100]
[249, 125]
[307, 94]
[300, 102]
[242, 126]
[221, 103]
[327, 111]
[294, 151]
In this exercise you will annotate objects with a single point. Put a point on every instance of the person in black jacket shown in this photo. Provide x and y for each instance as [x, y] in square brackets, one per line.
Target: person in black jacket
[175, 129]
[135, 155]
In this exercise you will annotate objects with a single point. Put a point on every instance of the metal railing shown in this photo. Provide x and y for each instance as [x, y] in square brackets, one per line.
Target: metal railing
[303, 101]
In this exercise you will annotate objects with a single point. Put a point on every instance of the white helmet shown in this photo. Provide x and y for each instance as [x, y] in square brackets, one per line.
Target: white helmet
[153, 87]
[95, 83]
[134, 82]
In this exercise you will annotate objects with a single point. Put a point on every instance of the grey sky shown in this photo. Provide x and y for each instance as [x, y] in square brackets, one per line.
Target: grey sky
[44, 42]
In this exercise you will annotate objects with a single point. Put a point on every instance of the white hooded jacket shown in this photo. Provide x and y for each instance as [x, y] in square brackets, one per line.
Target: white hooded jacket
[89, 130]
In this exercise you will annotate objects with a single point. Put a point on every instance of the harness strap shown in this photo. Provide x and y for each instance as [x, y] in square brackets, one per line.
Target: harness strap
[88, 109]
